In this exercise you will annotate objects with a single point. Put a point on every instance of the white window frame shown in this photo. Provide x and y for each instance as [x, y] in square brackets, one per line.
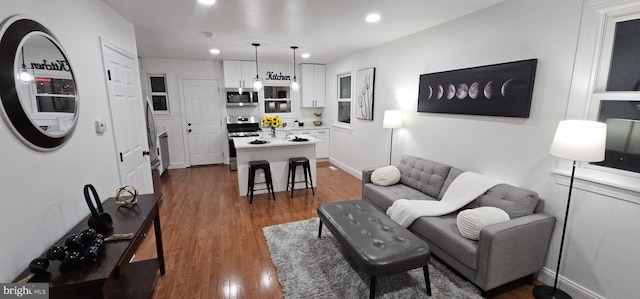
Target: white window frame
[591, 71]
[343, 100]
[165, 93]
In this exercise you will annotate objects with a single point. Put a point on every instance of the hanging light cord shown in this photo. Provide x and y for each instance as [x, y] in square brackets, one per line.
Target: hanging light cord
[24, 67]
[256, 46]
[294, 62]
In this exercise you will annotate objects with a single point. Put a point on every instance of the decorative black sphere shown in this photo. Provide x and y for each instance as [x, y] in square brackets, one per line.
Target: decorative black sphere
[98, 243]
[74, 242]
[39, 265]
[88, 235]
[91, 253]
[72, 258]
[56, 253]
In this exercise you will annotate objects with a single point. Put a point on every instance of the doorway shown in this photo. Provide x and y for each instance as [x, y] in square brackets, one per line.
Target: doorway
[203, 121]
[127, 116]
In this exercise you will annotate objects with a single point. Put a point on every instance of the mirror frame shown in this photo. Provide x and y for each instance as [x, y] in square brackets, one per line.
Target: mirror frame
[13, 33]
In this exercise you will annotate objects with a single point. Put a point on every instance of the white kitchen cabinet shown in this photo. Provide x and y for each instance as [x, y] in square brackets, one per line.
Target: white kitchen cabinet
[238, 73]
[313, 85]
[322, 148]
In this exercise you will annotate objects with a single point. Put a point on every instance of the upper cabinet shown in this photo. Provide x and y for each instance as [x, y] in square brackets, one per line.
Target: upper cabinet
[313, 87]
[238, 73]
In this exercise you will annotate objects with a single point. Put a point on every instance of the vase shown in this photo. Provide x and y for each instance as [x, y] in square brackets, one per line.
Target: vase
[273, 132]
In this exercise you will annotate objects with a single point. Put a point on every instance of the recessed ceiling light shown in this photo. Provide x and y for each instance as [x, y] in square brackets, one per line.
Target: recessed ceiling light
[207, 2]
[305, 55]
[372, 18]
[214, 51]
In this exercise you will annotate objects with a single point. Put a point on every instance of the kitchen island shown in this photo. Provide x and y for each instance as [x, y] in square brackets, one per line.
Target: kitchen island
[277, 151]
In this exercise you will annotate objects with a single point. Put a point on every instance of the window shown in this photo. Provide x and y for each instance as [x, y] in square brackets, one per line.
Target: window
[593, 95]
[616, 99]
[159, 95]
[344, 98]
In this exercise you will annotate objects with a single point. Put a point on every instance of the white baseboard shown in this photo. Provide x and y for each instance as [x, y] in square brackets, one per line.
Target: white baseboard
[568, 286]
[177, 165]
[346, 168]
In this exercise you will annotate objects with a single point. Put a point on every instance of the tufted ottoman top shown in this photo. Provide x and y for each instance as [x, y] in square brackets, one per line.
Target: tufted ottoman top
[375, 242]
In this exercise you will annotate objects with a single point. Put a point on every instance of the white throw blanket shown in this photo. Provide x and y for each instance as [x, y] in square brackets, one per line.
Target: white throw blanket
[463, 190]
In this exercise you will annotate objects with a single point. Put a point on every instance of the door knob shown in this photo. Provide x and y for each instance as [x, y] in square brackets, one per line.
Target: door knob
[189, 124]
[145, 153]
[189, 130]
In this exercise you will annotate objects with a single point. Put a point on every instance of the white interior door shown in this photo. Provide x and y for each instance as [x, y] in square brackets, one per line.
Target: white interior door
[204, 126]
[127, 117]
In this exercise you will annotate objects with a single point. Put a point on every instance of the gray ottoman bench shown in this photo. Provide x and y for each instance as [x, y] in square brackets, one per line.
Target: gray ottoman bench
[377, 244]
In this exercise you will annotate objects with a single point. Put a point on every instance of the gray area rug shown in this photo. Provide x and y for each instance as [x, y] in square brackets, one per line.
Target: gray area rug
[309, 267]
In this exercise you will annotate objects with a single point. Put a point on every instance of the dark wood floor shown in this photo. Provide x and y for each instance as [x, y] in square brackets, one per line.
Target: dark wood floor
[213, 241]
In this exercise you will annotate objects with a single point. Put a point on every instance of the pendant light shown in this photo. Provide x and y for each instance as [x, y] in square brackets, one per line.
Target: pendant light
[294, 84]
[24, 75]
[257, 82]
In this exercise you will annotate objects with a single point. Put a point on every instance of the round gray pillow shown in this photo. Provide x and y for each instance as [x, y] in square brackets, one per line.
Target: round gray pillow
[471, 221]
[386, 176]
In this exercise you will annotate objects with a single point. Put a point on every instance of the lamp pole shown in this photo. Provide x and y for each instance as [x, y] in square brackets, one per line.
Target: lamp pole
[391, 147]
[392, 120]
[543, 292]
[575, 140]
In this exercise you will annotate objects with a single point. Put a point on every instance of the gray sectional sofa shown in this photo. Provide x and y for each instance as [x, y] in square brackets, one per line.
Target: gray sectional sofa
[505, 252]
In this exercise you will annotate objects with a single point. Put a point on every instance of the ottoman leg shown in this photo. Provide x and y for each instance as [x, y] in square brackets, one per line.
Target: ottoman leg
[426, 278]
[372, 287]
[320, 230]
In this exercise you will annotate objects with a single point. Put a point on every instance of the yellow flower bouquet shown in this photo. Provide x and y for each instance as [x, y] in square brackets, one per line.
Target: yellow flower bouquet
[273, 122]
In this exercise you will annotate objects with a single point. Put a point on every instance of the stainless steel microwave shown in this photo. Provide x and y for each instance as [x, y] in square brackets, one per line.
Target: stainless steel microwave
[235, 98]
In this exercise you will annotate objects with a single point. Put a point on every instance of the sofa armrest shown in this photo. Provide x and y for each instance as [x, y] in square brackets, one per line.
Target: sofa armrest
[513, 249]
[366, 177]
[366, 174]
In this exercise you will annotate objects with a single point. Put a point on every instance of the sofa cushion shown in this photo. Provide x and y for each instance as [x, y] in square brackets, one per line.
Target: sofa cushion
[515, 201]
[442, 232]
[386, 176]
[423, 175]
[471, 221]
[383, 197]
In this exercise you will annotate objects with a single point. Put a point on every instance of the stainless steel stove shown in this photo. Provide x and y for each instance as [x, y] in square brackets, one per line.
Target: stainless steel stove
[240, 126]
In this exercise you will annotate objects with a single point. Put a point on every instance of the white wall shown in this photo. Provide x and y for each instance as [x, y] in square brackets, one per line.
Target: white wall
[596, 263]
[41, 193]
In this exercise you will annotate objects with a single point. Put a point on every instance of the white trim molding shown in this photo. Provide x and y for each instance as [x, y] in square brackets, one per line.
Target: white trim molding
[547, 276]
[592, 181]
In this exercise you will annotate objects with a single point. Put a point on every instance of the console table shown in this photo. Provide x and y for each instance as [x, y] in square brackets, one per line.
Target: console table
[112, 275]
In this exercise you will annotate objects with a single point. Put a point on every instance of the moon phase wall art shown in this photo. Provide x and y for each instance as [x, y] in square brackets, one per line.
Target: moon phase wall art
[503, 89]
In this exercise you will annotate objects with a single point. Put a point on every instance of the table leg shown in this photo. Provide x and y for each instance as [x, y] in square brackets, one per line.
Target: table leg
[320, 230]
[425, 269]
[158, 231]
[372, 287]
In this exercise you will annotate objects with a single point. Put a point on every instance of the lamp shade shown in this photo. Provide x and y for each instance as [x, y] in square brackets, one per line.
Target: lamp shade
[392, 119]
[580, 140]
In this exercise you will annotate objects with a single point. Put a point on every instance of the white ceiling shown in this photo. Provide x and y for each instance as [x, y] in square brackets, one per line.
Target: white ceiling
[327, 29]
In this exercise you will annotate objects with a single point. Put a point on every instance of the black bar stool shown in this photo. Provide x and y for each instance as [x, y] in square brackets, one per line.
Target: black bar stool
[293, 164]
[253, 166]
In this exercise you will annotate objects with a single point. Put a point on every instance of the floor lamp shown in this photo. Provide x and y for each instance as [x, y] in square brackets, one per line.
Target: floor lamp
[577, 140]
[392, 120]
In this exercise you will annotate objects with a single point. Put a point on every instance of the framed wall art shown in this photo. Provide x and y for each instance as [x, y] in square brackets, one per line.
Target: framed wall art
[503, 89]
[364, 93]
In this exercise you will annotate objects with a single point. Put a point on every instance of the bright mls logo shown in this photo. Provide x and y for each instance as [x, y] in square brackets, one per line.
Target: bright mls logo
[24, 290]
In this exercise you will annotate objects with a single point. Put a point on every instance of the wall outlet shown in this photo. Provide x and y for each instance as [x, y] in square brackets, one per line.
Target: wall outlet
[101, 127]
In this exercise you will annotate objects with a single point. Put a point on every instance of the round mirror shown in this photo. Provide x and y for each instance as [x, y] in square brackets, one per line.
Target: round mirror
[37, 86]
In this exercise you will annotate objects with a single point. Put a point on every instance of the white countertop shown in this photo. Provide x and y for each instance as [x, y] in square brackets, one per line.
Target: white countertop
[243, 142]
